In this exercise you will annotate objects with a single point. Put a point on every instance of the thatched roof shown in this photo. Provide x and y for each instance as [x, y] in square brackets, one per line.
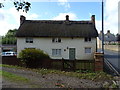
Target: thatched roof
[50, 28]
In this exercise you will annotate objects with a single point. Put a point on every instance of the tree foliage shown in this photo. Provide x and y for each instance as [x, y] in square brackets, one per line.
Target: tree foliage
[10, 38]
[19, 5]
[33, 57]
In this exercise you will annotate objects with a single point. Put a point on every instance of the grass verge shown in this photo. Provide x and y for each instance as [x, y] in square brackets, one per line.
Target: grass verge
[11, 66]
[13, 77]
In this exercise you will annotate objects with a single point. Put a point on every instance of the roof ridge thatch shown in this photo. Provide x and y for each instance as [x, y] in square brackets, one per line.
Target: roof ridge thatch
[59, 21]
[57, 28]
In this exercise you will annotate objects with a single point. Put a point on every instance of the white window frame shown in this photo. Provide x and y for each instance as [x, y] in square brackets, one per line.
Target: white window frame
[29, 40]
[88, 50]
[56, 40]
[56, 52]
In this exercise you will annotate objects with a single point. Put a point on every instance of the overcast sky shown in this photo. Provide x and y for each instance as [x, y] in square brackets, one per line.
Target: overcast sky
[49, 10]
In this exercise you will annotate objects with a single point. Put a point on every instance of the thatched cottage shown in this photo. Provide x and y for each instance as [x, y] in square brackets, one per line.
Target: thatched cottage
[65, 39]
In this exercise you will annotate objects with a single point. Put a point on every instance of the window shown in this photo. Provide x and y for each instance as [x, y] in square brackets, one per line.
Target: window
[87, 39]
[56, 40]
[29, 40]
[56, 52]
[87, 49]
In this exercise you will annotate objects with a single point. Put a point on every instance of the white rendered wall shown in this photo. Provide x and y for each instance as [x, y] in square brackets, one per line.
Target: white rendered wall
[47, 45]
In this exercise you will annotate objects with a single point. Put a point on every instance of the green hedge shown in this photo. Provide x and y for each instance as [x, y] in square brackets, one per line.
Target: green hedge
[33, 57]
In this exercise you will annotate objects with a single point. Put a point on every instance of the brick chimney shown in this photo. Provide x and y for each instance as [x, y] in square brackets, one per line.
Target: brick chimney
[22, 19]
[67, 17]
[93, 19]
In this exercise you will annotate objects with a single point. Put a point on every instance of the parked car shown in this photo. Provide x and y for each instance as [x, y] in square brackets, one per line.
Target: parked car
[9, 53]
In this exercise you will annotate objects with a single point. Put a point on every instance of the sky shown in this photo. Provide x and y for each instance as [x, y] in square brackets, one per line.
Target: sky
[57, 10]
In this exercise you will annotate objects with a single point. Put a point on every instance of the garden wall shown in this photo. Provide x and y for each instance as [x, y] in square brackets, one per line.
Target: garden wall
[112, 47]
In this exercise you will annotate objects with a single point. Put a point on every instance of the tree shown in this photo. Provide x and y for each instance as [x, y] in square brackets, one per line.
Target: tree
[19, 5]
[10, 38]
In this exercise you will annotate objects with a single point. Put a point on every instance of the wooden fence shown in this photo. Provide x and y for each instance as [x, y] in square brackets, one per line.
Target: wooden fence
[56, 64]
[74, 65]
[11, 60]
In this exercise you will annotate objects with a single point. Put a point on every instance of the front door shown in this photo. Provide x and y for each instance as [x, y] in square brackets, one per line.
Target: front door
[72, 53]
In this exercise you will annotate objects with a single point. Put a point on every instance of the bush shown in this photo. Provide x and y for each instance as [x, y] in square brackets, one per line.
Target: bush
[33, 57]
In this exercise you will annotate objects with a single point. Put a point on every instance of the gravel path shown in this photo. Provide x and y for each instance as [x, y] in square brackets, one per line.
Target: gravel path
[38, 80]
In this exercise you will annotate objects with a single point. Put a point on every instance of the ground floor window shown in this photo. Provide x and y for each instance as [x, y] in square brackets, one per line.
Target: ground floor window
[56, 52]
[88, 50]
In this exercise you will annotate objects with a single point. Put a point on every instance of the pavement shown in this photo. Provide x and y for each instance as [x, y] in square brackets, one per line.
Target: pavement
[114, 58]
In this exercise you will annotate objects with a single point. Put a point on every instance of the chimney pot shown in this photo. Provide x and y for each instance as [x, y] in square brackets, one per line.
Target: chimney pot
[67, 17]
[93, 19]
[22, 19]
[108, 31]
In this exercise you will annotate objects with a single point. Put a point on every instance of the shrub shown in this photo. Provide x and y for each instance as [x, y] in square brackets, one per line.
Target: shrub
[33, 57]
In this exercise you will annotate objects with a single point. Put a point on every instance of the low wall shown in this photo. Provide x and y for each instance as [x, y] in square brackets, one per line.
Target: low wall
[112, 47]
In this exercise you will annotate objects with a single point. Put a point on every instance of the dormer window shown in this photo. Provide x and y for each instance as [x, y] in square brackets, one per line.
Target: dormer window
[29, 40]
[87, 39]
[56, 40]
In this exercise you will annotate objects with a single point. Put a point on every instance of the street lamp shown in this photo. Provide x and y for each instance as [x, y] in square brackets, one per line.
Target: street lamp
[102, 27]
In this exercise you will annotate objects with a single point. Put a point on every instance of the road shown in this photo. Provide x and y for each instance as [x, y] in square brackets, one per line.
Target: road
[113, 57]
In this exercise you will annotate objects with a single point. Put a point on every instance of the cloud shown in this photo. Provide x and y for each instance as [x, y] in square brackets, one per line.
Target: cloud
[11, 17]
[5, 27]
[110, 17]
[64, 3]
[1, 17]
[99, 26]
[17, 14]
[61, 16]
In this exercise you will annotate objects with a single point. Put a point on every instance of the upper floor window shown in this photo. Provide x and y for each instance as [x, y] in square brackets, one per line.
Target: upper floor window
[29, 40]
[56, 40]
[87, 39]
